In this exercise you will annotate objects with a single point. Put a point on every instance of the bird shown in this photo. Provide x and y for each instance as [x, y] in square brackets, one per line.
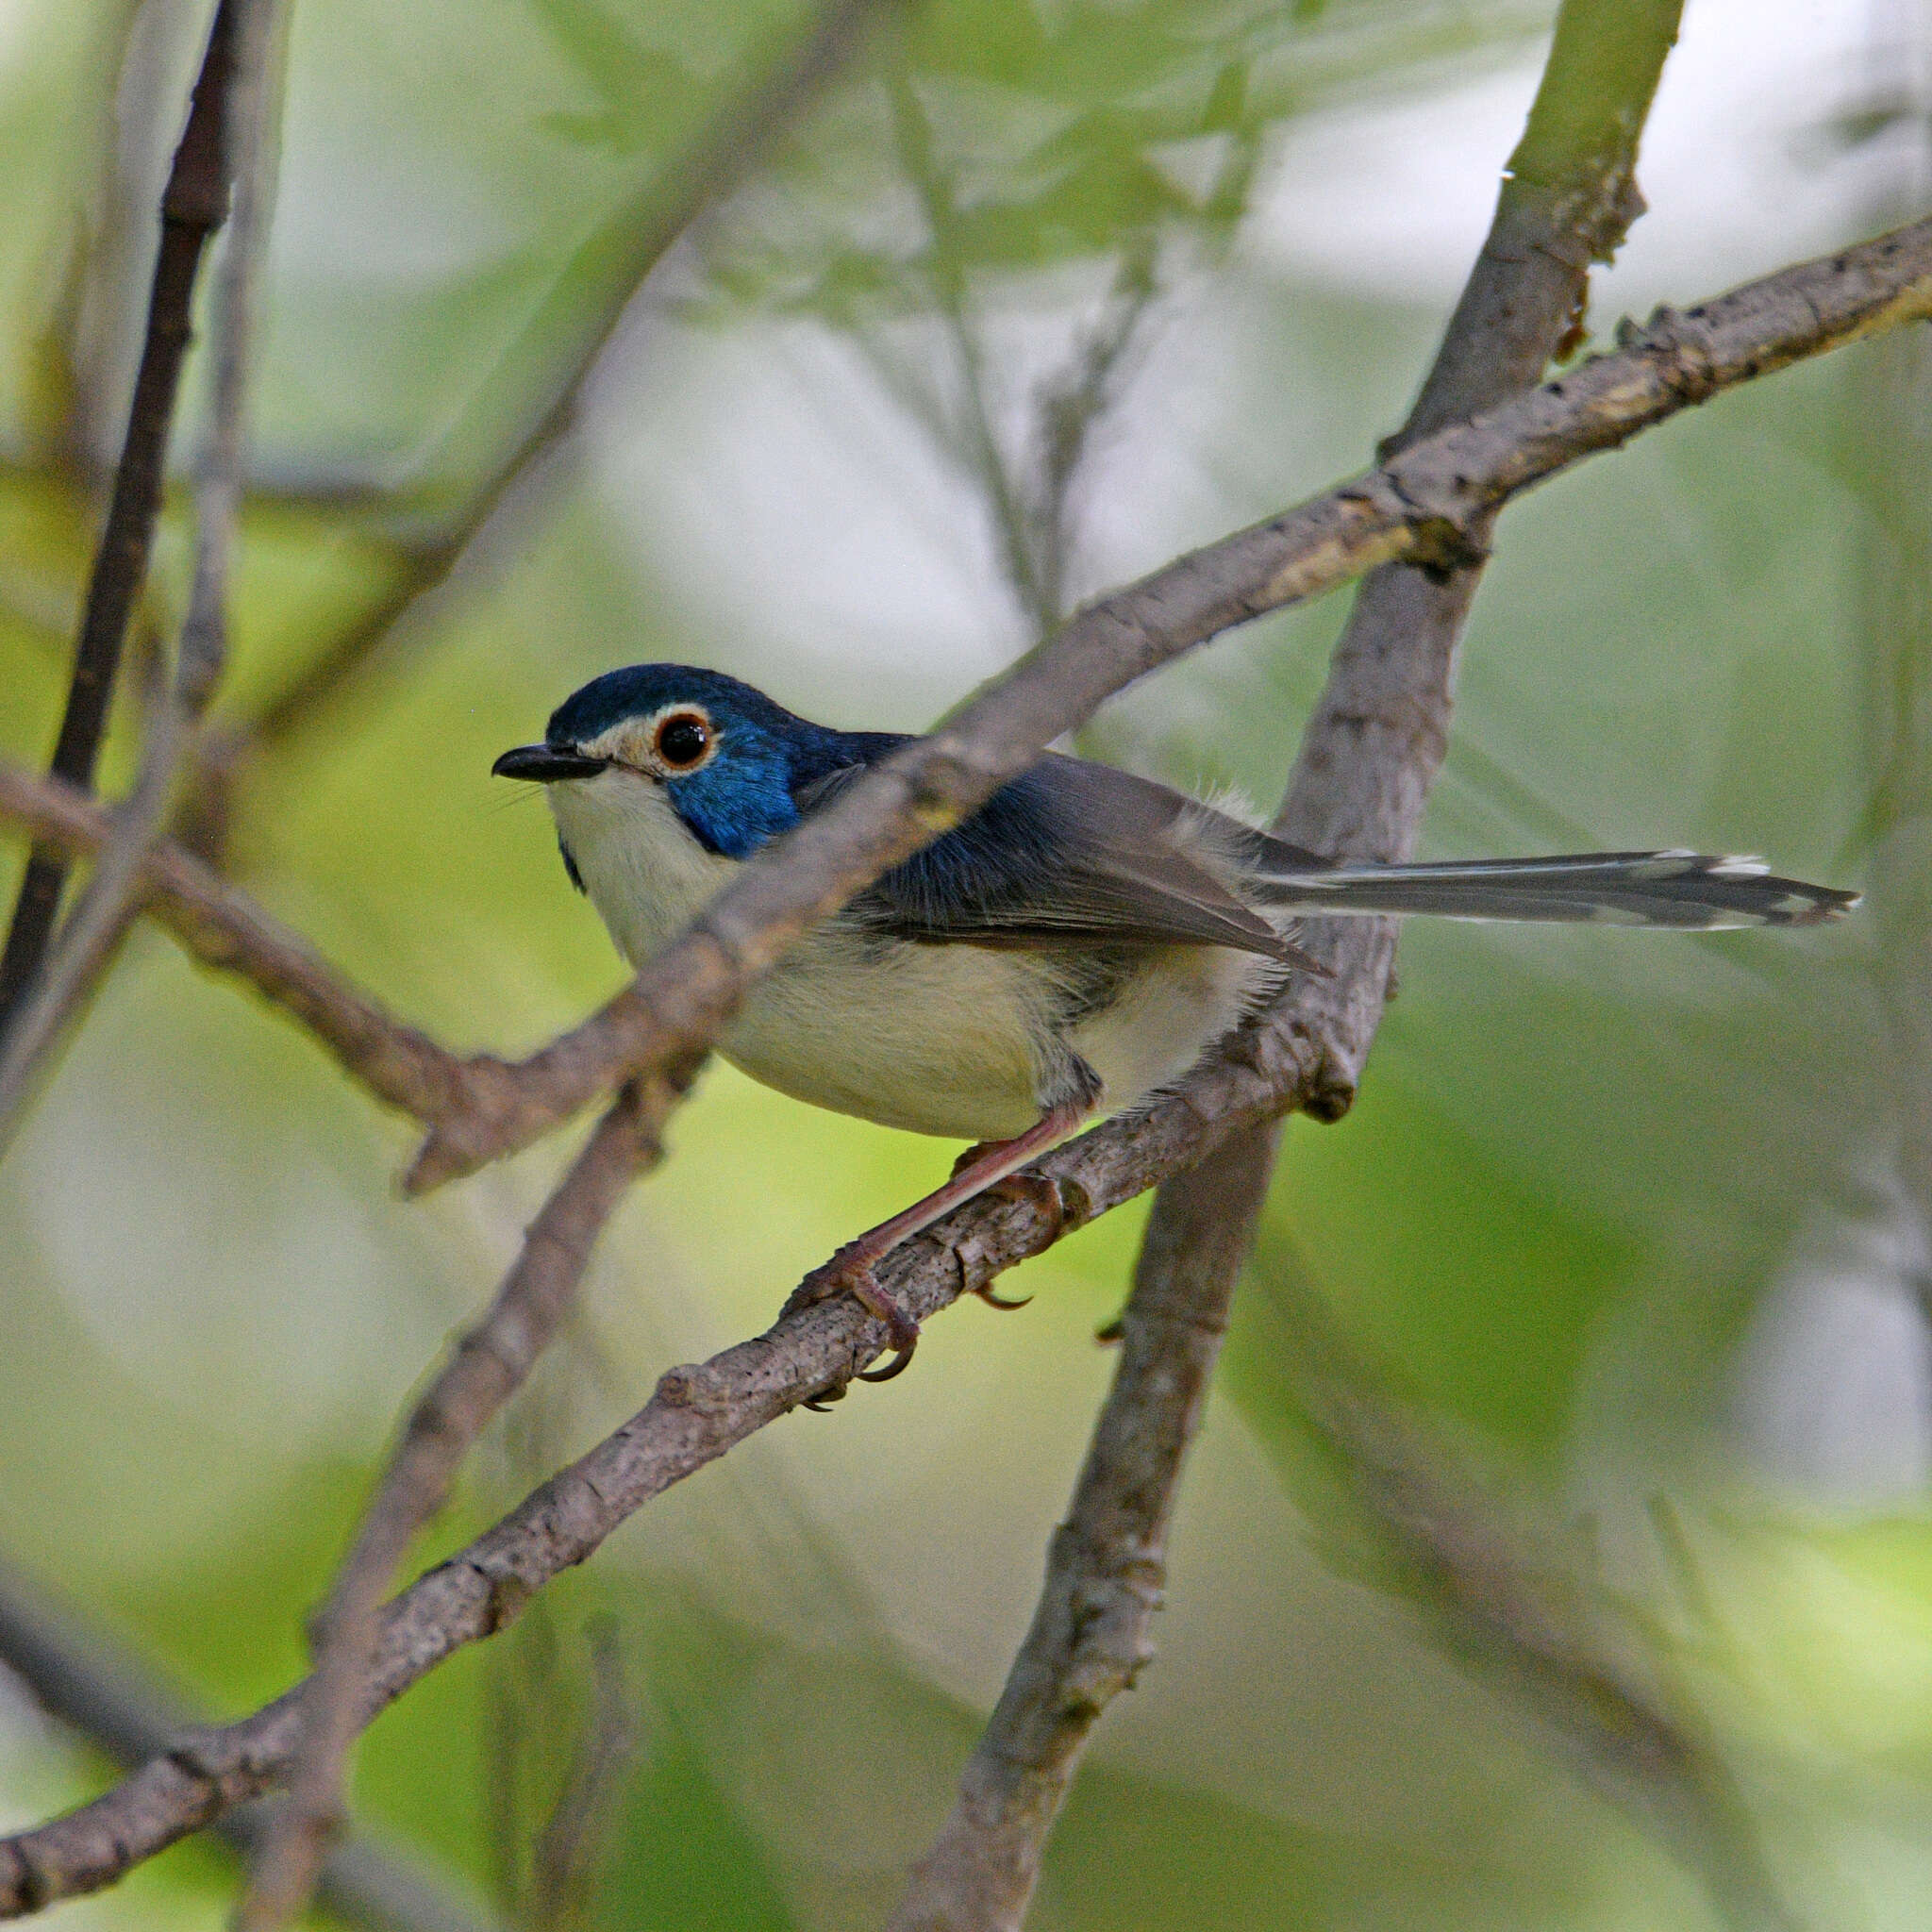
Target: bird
[1071, 948]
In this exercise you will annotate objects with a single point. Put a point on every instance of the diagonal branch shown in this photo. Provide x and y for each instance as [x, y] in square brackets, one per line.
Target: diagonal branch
[114, 1701]
[1106, 1564]
[192, 205]
[1369, 757]
[1305, 1052]
[224, 928]
[1430, 504]
[486, 1368]
[1307, 1056]
[101, 916]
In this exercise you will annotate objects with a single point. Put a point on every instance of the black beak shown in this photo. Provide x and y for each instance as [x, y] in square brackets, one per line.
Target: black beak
[544, 765]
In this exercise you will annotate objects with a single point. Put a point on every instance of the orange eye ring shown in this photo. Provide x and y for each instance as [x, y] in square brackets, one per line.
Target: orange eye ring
[682, 740]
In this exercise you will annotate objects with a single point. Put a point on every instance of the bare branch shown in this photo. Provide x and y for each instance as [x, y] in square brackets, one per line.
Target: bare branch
[111, 1699]
[223, 927]
[488, 1365]
[192, 205]
[1306, 1053]
[1107, 1565]
[697, 1414]
[92, 931]
[1369, 756]
[1428, 505]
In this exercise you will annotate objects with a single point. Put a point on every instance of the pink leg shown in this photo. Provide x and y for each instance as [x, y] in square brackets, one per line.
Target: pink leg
[981, 1168]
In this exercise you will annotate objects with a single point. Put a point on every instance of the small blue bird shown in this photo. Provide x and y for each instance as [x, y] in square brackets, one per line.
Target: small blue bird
[1074, 946]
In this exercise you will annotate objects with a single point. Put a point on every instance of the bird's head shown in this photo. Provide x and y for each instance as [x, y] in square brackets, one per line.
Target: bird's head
[724, 757]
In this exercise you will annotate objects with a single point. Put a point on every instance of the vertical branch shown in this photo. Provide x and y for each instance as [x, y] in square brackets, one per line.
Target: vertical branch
[1107, 1563]
[1368, 758]
[95, 928]
[487, 1366]
[192, 205]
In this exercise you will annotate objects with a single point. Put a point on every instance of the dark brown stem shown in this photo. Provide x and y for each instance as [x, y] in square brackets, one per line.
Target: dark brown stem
[1369, 756]
[192, 205]
[92, 933]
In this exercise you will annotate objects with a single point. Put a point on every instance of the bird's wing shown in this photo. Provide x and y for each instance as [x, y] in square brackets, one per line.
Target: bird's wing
[1069, 854]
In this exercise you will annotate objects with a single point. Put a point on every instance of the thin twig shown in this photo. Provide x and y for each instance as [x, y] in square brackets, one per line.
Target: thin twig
[119, 1705]
[576, 1835]
[1425, 505]
[488, 1365]
[193, 204]
[92, 932]
[224, 928]
[1369, 756]
[622, 253]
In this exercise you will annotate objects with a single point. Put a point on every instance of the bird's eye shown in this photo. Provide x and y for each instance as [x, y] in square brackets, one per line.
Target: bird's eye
[682, 739]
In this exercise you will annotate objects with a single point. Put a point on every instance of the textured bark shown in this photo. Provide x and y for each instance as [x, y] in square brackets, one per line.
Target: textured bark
[1306, 1052]
[1369, 756]
[1431, 504]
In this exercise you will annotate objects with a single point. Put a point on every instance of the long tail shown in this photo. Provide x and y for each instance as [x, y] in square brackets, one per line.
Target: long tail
[1679, 889]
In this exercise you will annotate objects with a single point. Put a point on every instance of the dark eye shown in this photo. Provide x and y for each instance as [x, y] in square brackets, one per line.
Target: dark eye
[682, 739]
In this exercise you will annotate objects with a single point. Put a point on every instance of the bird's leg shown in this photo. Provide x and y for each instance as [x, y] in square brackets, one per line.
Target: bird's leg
[1014, 1187]
[979, 1169]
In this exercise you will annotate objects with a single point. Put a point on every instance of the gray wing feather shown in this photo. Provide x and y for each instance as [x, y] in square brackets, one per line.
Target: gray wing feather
[1070, 853]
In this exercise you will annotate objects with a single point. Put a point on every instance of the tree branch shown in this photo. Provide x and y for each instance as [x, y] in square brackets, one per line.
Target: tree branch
[193, 204]
[95, 928]
[485, 1369]
[1107, 1565]
[1304, 1053]
[1368, 758]
[224, 928]
[110, 1699]
[1431, 504]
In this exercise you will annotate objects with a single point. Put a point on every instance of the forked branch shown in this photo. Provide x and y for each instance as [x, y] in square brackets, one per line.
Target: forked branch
[1429, 505]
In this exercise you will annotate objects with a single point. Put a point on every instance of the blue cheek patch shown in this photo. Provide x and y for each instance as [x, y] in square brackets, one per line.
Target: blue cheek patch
[734, 804]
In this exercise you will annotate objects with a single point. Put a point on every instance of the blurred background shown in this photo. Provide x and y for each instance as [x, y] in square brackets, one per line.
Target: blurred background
[1625, 1243]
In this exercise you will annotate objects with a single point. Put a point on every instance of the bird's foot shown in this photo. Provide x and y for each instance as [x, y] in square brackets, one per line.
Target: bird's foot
[849, 1272]
[1044, 1195]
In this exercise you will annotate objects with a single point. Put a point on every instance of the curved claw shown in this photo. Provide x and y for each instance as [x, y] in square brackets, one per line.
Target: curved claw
[850, 1272]
[1003, 1303]
[895, 1366]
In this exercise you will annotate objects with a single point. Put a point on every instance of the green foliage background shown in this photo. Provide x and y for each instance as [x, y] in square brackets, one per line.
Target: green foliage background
[1596, 1193]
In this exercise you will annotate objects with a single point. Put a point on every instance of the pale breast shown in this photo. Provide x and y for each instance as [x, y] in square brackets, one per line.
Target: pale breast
[938, 1040]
